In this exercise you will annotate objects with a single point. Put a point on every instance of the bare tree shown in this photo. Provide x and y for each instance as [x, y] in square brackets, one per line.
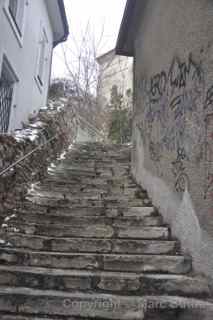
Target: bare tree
[80, 60]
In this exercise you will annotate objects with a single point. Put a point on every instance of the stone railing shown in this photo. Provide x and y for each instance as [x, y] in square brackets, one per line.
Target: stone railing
[26, 154]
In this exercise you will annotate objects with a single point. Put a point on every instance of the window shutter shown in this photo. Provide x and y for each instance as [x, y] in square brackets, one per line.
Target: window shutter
[16, 8]
[20, 14]
[13, 7]
[42, 53]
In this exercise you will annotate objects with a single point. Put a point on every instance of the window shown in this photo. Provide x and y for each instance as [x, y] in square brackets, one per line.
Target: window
[16, 10]
[42, 57]
[7, 82]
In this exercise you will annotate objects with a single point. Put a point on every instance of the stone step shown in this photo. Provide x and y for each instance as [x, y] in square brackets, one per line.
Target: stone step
[90, 245]
[4, 316]
[99, 306]
[58, 180]
[96, 230]
[67, 175]
[67, 160]
[119, 196]
[29, 317]
[67, 221]
[64, 203]
[68, 171]
[77, 202]
[104, 282]
[74, 189]
[52, 183]
[77, 168]
[28, 208]
[82, 190]
[58, 196]
[85, 201]
[140, 212]
[60, 201]
[89, 261]
[98, 172]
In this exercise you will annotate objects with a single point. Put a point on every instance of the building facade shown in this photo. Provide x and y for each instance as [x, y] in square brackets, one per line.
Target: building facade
[172, 46]
[114, 70]
[29, 32]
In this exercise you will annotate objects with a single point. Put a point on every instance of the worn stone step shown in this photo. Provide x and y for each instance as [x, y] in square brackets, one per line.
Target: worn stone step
[74, 167]
[64, 203]
[86, 201]
[82, 190]
[29, 317]
[95, 230]
[140, 212]
[89, 261]
[127, 246]
[69, 160]
[58, 181]
[69, 172]
[144, 233]
[4, 316]
[28, 208]
[140, 202]
[74, 211]
[113, 201]
[58, 196]
[106, 306]
[176, 284]
[38, 213]
[71, 189]
[105, 282]
[67, 175]
[66, 221]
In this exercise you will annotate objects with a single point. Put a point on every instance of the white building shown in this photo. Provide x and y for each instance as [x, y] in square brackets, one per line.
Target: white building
[29, 30]
[116, 71]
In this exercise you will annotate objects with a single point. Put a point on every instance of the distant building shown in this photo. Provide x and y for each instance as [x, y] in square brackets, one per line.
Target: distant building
[29, 32]
[114, 71]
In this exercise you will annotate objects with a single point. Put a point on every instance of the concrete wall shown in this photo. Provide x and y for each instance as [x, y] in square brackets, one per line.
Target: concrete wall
[173, 118]
[22, 54]
[114, 70]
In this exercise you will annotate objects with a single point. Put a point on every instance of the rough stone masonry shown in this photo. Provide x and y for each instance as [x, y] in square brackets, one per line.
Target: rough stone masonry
[54, 129]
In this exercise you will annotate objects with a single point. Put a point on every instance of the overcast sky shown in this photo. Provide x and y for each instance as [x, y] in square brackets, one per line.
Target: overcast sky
[99, 12]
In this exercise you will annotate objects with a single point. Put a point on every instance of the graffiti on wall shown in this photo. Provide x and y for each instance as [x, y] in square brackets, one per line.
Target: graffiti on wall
[179, 172]
[209, 155]
[175, 106]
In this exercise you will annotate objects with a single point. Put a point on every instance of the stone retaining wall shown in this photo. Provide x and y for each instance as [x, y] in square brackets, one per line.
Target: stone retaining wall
[54, 128]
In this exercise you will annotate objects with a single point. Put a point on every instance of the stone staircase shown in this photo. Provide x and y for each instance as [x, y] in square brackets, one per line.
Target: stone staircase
[88, 244]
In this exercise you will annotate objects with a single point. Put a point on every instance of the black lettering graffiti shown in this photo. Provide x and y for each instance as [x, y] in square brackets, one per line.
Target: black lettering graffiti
[177, 112]
[175, 102]
[158, 86]
[176, 106]
[181, 154]
[155, 151]
[209, 98]
[179, 171]
[208, 155]
[181, 72]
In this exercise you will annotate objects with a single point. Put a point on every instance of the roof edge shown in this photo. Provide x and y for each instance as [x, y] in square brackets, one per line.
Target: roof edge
[124, 28]
[100, 57]
[65, 23]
